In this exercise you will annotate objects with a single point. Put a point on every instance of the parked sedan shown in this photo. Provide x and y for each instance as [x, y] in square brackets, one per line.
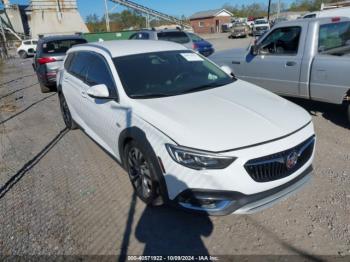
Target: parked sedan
[187, 132]
[189, 40]
[49, 56]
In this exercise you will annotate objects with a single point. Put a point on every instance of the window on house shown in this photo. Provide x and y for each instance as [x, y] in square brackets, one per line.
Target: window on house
[201, 24]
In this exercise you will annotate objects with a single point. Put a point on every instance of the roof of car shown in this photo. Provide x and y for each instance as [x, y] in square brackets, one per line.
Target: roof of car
[118, 48]
[60, 37]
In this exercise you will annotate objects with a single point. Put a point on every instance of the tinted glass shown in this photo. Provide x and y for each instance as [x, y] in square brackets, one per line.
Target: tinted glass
[35, 42]
[61, 46]
[79, 65]
[177, 37]
[334, 38]
[168, 73]
[27, 43]
[259, 22]
[99, 73]
[282, 41]
[195, 38]
[310, 16]
[68, 61]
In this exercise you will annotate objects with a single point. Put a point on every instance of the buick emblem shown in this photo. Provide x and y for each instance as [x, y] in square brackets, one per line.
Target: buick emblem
[292, 160]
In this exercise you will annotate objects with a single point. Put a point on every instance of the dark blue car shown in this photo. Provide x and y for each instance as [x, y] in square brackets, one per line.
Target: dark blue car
[200, 45]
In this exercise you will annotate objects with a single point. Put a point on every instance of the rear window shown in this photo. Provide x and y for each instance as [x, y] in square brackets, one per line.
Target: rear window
[334, 37]
[61, 46]
[177, 37]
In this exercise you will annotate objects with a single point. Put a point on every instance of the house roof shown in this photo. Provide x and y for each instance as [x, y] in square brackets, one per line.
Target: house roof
[209, 13]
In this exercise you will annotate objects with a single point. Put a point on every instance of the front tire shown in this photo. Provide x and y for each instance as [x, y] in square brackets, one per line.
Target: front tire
[67, 117]
[23, 54]
[141, 169]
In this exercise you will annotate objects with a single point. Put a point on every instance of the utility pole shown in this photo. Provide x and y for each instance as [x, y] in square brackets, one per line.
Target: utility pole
[4, 52]
[268, 11]
[278, 8]
[107, 17]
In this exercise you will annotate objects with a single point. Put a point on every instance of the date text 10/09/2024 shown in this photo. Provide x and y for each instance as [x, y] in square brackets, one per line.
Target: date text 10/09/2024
[173, 258]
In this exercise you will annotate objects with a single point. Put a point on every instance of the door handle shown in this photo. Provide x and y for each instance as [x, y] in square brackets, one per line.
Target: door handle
[83, 93]
[291, 63]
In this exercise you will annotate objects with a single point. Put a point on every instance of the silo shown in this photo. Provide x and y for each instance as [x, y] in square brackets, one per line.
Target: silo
[53, 17]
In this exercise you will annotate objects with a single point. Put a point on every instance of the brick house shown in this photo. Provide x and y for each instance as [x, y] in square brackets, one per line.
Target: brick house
[211, 21]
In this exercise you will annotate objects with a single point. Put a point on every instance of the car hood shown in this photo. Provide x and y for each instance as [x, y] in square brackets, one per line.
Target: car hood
[229, 117]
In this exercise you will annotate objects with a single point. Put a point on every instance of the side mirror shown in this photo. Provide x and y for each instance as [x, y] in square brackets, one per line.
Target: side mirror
[254, 50]
[99, 91]
[227, 70]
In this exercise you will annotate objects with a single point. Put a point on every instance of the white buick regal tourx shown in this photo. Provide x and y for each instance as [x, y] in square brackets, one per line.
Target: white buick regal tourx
[186, 131]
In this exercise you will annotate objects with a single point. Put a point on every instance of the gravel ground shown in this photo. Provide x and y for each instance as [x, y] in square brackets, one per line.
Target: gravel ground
[61, 194]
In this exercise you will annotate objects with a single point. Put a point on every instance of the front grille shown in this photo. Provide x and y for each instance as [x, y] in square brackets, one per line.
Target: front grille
[277, 166]
[261, 28]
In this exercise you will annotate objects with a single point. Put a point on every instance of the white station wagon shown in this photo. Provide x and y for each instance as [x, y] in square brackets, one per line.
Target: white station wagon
[187, 132]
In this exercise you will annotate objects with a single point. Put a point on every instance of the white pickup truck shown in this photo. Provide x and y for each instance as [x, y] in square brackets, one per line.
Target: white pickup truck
[306, 58]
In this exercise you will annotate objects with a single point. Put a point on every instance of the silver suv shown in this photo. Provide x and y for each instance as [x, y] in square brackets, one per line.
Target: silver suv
[49, 56]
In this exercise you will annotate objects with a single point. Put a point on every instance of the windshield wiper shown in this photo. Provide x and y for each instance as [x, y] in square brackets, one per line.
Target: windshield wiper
[150, 95]
[202, 88]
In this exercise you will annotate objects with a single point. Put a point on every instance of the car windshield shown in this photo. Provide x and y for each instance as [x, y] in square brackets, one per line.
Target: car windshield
[334, 39]
[238, 25]
[170, 73]
[61, 46]
[260, 22]
[195, 38]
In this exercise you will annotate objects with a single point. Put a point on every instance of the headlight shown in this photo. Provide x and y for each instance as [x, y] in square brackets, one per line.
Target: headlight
[197, 159]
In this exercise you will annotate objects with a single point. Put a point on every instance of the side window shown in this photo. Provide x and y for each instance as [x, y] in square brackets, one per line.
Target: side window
[99, 73]
[68, 61]
[27, 43]
[282, 41]
[34, 42]
[310, 16]
[79, 65]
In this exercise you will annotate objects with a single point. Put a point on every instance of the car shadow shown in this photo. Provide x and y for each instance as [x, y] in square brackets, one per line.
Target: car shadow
[167, 231]
[334, 113]
[302, 254]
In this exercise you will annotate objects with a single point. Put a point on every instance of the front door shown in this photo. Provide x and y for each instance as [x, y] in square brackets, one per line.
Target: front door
[105, 117]
[277, 66]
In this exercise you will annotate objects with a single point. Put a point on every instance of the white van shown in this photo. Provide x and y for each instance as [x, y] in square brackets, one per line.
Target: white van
[343, 11]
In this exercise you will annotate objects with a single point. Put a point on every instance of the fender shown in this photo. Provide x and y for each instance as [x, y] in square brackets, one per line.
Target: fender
[135, 133]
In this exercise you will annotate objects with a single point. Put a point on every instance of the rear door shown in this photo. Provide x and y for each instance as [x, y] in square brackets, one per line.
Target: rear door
[277, 66]
[74, 86]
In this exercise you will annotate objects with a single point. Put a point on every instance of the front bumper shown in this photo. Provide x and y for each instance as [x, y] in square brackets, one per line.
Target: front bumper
[206, 52]
[213, 202]
[238, 34]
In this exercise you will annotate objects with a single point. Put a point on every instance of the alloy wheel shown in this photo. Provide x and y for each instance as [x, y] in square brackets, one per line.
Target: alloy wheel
[139, 173]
